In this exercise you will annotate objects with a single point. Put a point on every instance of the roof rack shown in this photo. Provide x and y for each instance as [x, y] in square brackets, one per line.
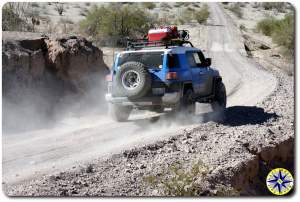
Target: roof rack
[143, 43]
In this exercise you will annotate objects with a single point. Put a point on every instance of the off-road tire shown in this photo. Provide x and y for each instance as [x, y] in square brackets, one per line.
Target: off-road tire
[187, 103]
[119, 113]
[220, 100]
[144, 84]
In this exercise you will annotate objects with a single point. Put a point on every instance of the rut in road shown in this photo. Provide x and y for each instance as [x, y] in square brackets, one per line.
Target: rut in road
[82, 139]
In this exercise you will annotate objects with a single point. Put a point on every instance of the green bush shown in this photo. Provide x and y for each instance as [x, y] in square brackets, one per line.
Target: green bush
[116, 22]
[267, 26]
[202, 15]
[281, 31]
[179, 181]
[236, 9]
[149, 5]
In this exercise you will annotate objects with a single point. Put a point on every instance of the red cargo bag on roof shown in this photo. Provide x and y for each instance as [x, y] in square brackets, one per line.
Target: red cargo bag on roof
[163, 33]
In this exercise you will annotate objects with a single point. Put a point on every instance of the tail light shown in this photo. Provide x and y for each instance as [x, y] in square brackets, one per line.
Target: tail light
[171, 76]
[108, 78]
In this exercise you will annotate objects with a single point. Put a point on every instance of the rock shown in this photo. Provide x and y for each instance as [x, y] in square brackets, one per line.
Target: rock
[142, 166]
[252, 44]
[40, 72]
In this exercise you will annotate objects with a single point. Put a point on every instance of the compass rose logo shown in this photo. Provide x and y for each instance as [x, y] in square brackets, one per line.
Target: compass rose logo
[280, 181]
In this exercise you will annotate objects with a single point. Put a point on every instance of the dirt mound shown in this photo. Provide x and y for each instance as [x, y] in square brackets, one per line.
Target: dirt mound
[39, 71]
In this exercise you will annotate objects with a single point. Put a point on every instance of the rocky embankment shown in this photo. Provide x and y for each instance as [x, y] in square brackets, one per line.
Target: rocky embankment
[236, 154]
[40, 72]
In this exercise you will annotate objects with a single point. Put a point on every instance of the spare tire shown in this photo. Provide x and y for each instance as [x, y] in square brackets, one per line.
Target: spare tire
[132, 80]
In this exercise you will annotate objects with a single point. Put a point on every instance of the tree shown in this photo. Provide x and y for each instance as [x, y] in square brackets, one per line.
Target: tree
[116, 22]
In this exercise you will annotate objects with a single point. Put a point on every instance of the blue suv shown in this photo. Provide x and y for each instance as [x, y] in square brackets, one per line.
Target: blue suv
[158, 76]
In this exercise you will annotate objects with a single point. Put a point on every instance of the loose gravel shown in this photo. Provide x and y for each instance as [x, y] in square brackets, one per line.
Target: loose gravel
[233, 152]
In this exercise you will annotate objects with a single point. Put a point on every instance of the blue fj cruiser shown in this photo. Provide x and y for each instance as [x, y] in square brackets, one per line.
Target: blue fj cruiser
[155, 76]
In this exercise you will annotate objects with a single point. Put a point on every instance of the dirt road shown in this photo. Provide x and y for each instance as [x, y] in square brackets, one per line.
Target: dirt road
[80, 139]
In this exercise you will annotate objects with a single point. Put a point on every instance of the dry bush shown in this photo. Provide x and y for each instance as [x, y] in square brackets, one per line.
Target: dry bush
[243, 27]
[35, 5]
[236, 9]
[192, 181]
[59, 7]
[282, 32]
[165, 6]
[279, 6]
[19, 16]
[202, 15]
[149, 5]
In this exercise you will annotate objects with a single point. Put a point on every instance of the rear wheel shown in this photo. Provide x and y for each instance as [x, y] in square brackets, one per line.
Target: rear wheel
[119, 113]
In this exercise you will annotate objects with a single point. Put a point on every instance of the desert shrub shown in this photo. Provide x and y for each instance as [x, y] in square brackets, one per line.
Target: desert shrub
[59, 7]
[184, 16]
[236, 9]
[165, 6]
[149, 5]
[19, 16]
[34, 4]
[34, 16]
[178, 4]
[267, 26]
[279, 6]
[243, 27]
[255, 5]
[196, 4]
[202, 15]
[190, 9]
[281, 31]
[242, 4]
[116, 22]
[179, 181]
[12, 17]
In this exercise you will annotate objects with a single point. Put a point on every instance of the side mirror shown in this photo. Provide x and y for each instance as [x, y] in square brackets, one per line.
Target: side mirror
[207, 62]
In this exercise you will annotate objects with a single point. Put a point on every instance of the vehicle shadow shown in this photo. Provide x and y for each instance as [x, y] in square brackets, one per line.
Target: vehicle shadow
[247, 115]
[233, 116]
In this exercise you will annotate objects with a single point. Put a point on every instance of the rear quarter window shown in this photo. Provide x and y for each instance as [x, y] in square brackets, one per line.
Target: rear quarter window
[173, 61]
[149, 59]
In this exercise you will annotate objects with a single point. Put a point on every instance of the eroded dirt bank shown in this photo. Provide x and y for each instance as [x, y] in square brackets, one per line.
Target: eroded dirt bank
[45, 74]
[232, 152]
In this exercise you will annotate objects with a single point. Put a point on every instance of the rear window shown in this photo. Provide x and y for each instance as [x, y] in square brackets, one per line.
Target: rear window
[149, 59]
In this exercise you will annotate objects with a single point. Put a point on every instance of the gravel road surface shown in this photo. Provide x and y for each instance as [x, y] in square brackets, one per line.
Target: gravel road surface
[79, 140]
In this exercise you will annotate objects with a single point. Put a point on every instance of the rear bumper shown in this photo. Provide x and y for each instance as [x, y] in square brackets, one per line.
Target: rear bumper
[167, 99]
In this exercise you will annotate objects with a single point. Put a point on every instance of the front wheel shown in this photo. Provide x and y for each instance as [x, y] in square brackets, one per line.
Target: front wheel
[219, 103]
[188, 104]
[119, 113]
